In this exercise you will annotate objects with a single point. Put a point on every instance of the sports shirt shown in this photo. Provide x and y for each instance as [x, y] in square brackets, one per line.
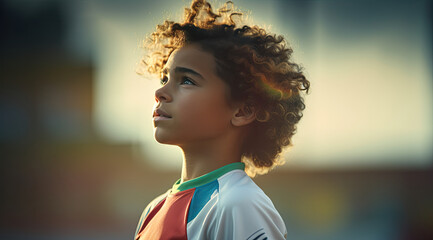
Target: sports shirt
[222, 204]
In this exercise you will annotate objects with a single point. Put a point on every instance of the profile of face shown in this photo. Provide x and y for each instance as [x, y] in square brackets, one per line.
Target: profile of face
[193, 97]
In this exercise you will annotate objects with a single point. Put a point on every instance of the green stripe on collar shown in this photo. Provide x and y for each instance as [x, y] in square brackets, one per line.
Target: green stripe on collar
[206, 178]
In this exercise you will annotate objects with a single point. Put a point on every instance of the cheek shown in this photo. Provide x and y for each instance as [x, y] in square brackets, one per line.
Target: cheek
[206, 110]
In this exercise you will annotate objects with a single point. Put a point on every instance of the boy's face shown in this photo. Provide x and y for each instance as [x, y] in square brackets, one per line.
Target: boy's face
[194, 97]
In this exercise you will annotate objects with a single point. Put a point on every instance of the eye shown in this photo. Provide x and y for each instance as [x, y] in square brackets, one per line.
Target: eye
[163, 80]
[187, 80]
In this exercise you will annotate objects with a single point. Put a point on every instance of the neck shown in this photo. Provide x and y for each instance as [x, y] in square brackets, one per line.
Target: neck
[202, 158]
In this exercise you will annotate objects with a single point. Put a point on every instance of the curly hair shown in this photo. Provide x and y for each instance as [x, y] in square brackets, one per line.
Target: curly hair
[257, 67]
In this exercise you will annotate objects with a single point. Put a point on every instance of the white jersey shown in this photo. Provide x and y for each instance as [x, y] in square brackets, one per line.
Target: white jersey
[222, 204]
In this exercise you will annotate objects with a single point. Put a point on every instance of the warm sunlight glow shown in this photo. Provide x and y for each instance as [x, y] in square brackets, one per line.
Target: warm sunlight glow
[370, 101]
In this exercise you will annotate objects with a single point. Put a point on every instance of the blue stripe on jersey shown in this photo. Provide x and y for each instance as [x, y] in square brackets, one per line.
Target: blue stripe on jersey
[201, 196]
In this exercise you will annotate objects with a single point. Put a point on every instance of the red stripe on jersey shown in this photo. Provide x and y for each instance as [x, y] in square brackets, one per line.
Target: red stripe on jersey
[169, 218]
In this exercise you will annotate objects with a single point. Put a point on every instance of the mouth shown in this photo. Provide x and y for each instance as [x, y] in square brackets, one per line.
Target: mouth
[158, 113]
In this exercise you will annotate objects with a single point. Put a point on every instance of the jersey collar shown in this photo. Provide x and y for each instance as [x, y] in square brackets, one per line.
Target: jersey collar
[206, 178]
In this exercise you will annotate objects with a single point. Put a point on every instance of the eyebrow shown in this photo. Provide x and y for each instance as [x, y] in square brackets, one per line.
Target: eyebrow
[184, 70]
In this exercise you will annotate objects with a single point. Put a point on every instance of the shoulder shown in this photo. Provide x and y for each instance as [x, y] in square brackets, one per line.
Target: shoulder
[154, 202]
[237, 188]
[244, 210]
[157, 200]
[149, 208]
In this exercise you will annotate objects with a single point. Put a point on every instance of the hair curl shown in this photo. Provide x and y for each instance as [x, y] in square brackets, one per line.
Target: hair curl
[256, 66]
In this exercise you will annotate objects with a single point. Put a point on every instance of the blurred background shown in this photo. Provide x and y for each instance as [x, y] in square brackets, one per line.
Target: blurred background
[78, 158]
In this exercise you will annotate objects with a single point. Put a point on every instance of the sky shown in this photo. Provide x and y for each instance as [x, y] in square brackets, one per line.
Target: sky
[369, 64]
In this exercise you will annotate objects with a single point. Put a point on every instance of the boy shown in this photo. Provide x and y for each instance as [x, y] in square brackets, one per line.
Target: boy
[230, 99]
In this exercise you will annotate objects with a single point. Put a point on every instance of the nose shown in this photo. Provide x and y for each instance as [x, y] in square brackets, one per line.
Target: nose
[161, 95]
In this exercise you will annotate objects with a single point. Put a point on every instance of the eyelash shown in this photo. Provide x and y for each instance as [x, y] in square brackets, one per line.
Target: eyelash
[164, 80]
[188, 79]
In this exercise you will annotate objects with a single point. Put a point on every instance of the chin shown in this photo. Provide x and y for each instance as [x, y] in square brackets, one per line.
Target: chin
[160, 138]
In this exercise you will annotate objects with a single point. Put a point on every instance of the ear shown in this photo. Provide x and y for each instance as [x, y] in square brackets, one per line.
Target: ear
[243, 115]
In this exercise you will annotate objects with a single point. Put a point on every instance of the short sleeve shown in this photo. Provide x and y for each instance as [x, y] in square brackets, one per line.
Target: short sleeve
[247, 216]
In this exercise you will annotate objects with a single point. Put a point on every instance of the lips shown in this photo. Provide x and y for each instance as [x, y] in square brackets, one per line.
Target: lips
[160, 113]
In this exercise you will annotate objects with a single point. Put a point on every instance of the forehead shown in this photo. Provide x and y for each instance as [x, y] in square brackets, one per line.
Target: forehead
[193, 57]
